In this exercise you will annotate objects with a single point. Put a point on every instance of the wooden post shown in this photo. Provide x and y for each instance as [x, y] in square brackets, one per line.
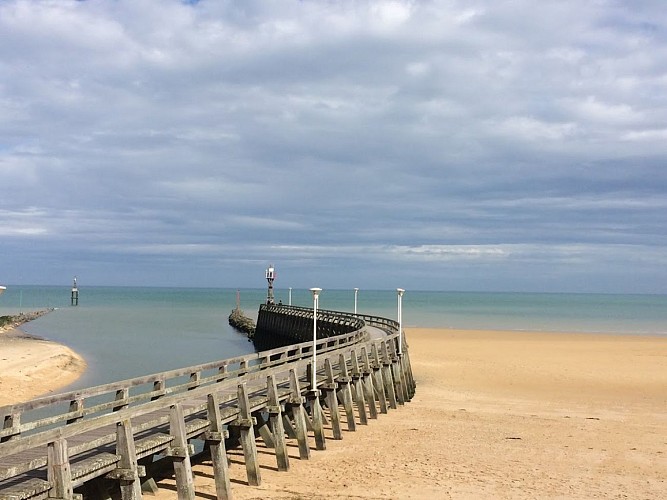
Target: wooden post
[295, 403]
[59, 473]
[317, 419]
[158, 386]
[388, 379]
[408, 370]
[127, 471]
[121, 396]
[276, 423]
[329, 389]
[345, 392]
[13, 422]
[76, 407]
[246, 425]
[378, 382]
[179, 451]
[215, 437]
[397, 375]
[358, 389]
[367, 381]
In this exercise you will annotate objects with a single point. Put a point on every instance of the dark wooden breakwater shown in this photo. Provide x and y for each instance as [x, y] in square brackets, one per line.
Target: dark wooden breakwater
[107, 442]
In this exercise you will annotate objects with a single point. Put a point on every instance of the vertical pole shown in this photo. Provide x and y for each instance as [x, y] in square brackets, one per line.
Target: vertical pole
[400, 292]
[290, 296]
[316, 294]
[356, 291]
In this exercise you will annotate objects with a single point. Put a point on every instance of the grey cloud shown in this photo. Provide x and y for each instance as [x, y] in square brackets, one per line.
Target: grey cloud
[167, 138]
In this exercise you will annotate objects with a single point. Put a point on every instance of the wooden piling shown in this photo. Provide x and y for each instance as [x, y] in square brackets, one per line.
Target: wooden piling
[276, 423]
[246, 425]
[180, 453]
[215, 438]
[295, 404]
[345, 392]
[367, 382]
[378, 380]
[329, 389]
[387, 377]
[358, 391]
[127, 471]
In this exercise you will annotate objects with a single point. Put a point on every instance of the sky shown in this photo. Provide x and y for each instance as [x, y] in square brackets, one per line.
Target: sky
[430, 145]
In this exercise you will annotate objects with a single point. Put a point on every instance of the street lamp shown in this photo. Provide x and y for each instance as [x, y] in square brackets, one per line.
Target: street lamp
[356, 291]
[400, 292]
[316, 295]
[290, 296]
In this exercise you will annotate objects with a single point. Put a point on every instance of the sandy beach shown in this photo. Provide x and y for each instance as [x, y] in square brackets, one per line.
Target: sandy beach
[32, 367]
[496, 415]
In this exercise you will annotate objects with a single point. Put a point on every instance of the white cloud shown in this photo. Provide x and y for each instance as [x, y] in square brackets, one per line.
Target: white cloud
[420, 133]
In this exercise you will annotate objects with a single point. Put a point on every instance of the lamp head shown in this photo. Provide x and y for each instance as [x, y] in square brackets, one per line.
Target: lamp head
[316, 291]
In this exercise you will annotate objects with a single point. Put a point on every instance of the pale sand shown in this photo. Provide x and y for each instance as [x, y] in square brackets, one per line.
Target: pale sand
[496, 415]
[32, 367]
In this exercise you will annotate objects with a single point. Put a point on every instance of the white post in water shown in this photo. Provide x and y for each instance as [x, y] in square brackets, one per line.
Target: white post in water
[290, 296]
[400, 292]
[356, 291]
[316, 294]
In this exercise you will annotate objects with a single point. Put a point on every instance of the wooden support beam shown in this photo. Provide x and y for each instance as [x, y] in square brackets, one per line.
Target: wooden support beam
[397, 374]
[288, 425]
[358, 389]
[295, 404]
[317, 419]
[215, 438]
[276, 423]
[408, 369]
[367, 382]
[378, 380]
[345, 392]
[185, 488]
[59, 473]
[263, 430]
[246, 425]
[329, 389]
[127, 467]
[388, 379]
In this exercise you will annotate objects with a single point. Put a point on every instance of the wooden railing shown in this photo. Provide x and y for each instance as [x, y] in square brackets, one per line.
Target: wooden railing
[109, 431]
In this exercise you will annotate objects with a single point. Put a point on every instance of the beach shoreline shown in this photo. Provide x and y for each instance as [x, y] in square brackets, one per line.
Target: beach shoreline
[31, 366]
[496, 414]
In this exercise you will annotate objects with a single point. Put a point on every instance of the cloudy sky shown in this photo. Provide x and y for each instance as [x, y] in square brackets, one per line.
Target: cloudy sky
[454, 145]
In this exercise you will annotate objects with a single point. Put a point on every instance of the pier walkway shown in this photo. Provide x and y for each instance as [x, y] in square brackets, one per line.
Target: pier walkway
[109, 441]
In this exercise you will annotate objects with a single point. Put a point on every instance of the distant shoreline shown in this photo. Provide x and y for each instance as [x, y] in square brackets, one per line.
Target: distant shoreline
[32, 366]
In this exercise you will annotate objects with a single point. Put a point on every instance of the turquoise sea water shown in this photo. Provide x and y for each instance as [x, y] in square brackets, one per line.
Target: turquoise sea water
[127, 332]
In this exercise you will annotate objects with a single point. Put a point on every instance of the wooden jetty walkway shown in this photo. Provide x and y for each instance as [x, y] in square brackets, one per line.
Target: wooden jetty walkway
[107, 441]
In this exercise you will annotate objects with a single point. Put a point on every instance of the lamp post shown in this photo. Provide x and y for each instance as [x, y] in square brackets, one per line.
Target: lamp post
[356, 291]
[400, 292]
[290, 296]
[316, 295]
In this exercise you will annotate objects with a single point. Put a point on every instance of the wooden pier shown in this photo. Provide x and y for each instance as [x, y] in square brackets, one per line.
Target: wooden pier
[106, 442]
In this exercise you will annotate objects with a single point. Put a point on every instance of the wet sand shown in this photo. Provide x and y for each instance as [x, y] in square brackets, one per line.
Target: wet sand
[32, 367]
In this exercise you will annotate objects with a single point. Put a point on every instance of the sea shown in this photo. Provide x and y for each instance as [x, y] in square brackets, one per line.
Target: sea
[126, 332]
